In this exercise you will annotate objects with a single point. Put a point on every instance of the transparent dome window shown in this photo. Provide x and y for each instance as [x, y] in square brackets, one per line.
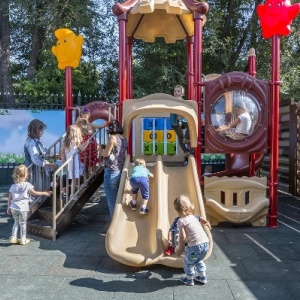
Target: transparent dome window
[235, 115]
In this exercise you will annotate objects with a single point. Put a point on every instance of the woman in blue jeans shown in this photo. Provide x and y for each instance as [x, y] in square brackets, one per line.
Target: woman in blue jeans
[114, 157]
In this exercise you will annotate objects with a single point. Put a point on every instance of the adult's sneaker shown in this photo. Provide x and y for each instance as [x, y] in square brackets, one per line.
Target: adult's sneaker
[144, 210]
[201, 279]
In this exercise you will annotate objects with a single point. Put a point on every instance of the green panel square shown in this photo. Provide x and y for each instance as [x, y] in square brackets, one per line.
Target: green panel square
[159, 148]
[148, 148]
[171, 148]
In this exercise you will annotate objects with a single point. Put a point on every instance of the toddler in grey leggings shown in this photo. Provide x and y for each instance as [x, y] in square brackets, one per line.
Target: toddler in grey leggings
[18, 203]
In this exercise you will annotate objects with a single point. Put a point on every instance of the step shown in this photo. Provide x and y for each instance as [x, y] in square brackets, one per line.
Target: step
[40, 228]
[45, 214]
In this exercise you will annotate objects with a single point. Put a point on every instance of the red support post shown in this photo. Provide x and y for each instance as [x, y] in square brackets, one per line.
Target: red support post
[198, 23]
[68, 96]
[122, 64]
[129, 68]
[252, 72]
[274, 130]
[190, 64]
[129, 85]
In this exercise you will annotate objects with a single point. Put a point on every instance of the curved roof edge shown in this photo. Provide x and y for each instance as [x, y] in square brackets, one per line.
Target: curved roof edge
[192, 5]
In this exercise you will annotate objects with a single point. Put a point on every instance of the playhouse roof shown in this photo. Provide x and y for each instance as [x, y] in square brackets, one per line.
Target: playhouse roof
[149, 19]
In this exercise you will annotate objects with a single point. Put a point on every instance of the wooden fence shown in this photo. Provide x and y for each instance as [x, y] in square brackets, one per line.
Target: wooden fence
[289, 149]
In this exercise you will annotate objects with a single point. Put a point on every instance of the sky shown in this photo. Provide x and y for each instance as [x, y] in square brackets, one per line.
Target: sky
[13, 128]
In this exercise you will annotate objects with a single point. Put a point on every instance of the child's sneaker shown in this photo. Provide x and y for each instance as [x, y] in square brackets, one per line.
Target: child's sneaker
[14, 240]
[169, 250]
[187, 281]
[201, 279]
[144, 210]
[186, 154]
[24, 242]
[132, 205]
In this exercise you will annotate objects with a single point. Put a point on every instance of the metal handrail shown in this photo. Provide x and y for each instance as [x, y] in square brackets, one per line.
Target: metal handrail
[60, 172]
[63, 171]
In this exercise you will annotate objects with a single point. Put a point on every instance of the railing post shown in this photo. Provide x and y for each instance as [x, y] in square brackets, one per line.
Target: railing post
[79, 98]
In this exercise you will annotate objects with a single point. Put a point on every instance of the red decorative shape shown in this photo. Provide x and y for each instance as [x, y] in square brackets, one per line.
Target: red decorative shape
[195, 6]
[120, 8]
[276, 16]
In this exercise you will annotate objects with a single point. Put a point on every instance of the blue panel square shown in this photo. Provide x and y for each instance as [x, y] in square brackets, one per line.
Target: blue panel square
[148, 124]
[159, 123]
[169, 127]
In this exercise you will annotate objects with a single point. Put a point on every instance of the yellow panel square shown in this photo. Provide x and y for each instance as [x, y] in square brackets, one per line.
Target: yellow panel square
[159, 135]
[148, 135]
[171, 136]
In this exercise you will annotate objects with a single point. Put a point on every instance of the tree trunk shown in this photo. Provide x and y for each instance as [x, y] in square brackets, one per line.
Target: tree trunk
[37, 43]
[6, 89]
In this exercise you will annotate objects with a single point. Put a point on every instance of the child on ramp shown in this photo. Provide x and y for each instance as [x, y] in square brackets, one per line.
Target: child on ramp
[139, 180]
[192, 240]
[18, 203]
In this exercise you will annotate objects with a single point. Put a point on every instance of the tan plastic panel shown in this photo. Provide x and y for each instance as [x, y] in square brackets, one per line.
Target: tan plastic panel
[140, 240]
[236, 211]
[161, 104]
[169, 19]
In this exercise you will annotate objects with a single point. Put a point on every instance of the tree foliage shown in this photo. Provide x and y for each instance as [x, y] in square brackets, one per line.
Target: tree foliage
[232, 28]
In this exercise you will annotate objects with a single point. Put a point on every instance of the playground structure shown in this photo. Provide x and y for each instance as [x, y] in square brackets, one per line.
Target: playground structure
[236, 200]
[138, 241]
[134, 249]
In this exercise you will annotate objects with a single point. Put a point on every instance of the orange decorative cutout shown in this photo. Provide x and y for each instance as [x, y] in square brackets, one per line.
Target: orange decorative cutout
[68, 48]
[276, 17]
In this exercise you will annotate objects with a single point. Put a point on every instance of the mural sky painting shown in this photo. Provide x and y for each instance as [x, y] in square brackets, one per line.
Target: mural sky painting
[13, 128]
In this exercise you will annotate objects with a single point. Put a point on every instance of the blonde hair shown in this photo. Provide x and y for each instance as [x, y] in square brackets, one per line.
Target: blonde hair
[20, 174]
[181, 87]
[73, 136]
[183, 205]
[83, 124]
[140, 162]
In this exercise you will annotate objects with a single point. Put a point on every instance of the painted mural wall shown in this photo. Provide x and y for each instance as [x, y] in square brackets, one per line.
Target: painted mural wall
[13, 131]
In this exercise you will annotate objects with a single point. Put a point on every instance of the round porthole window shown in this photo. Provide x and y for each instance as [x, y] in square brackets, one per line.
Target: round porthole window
[235, 114]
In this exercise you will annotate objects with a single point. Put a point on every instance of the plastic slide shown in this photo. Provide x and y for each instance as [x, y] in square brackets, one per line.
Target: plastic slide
[140, 240]
[239, 165]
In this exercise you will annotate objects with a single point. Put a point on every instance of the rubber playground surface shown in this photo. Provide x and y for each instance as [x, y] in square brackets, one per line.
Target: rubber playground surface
[246, 262]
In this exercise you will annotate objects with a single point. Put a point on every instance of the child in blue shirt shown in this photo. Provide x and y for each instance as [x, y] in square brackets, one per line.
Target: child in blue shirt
[173, 236]
[139, 180]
